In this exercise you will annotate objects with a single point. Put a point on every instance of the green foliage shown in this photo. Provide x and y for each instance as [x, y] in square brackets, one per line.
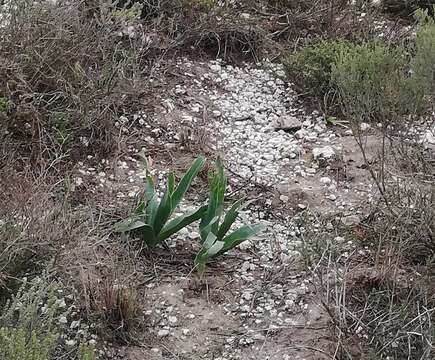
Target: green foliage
[86, 352]
[27, 322]
[5, 105]
[310, 67]
[150, 219]
[214, 234]
[423, 62]
[127, 12]
[61, 125]
[373, 83]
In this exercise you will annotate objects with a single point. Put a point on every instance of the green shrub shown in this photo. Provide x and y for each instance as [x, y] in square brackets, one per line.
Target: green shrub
[28, 323]
[423, 62]
[214, 234]
[310, 67]
[151, 217]
[373, 83]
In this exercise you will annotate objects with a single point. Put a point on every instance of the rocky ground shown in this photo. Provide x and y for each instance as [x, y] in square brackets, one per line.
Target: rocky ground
[258, 302]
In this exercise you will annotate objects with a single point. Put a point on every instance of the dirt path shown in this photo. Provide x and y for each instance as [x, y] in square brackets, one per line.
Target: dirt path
[257, 302]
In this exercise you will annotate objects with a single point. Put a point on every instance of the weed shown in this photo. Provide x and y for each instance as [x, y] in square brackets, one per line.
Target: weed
[214, 234]
[150, 219]
[61, 125]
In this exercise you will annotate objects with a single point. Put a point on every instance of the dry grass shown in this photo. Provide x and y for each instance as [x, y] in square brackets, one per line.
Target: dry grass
[68, 79]
[33, 225]
[115, 303]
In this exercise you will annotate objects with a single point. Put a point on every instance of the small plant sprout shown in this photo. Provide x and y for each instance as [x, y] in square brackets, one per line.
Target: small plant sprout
[151, 217]
[214, 234]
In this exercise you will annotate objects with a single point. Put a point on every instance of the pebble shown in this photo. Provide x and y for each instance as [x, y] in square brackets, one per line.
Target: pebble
[163, 333]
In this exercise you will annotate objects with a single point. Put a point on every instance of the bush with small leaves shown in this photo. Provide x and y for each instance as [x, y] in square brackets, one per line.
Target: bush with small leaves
[374, 84]
[28, 323]
[423, 62]
[214, 233]
[310, 67]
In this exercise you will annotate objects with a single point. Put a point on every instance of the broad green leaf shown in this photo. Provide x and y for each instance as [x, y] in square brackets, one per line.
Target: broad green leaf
[217, 186]
[180, 222]
[148, 236]
[229, 219]
[240, 235]
[149, 189]
[209, 241]
[205, 230]
[171, 183]
[215, 248]
[200, 262]
[186, 181]
[129, 225]
[151, 210]
[163, 212]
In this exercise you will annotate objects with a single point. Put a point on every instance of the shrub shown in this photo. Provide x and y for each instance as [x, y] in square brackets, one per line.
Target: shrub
[26, 331]
[150, 219]
[310, 67]
[423, 62]
[373, 83]
[28, 323]
[214, 234]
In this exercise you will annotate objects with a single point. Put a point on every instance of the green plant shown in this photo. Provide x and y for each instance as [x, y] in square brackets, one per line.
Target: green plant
[61, 125]
[423, 62]
[86, 352]
[214, 234]
[150, 219]
[5, 105]
[310, 67]
[373, 83]
[27, 321]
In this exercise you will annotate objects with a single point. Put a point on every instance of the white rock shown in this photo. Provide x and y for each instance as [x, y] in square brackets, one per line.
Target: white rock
[172, 319]
[215, 67]
[163, 333]
[284, 198]
[351, 220]
[325, 180]
[364, 126]
[193, 235]
[71, 343]
[288, 123]
[325, 152]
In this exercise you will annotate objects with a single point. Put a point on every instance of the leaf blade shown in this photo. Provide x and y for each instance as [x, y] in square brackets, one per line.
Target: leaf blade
[180, 222]
[186, 181]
